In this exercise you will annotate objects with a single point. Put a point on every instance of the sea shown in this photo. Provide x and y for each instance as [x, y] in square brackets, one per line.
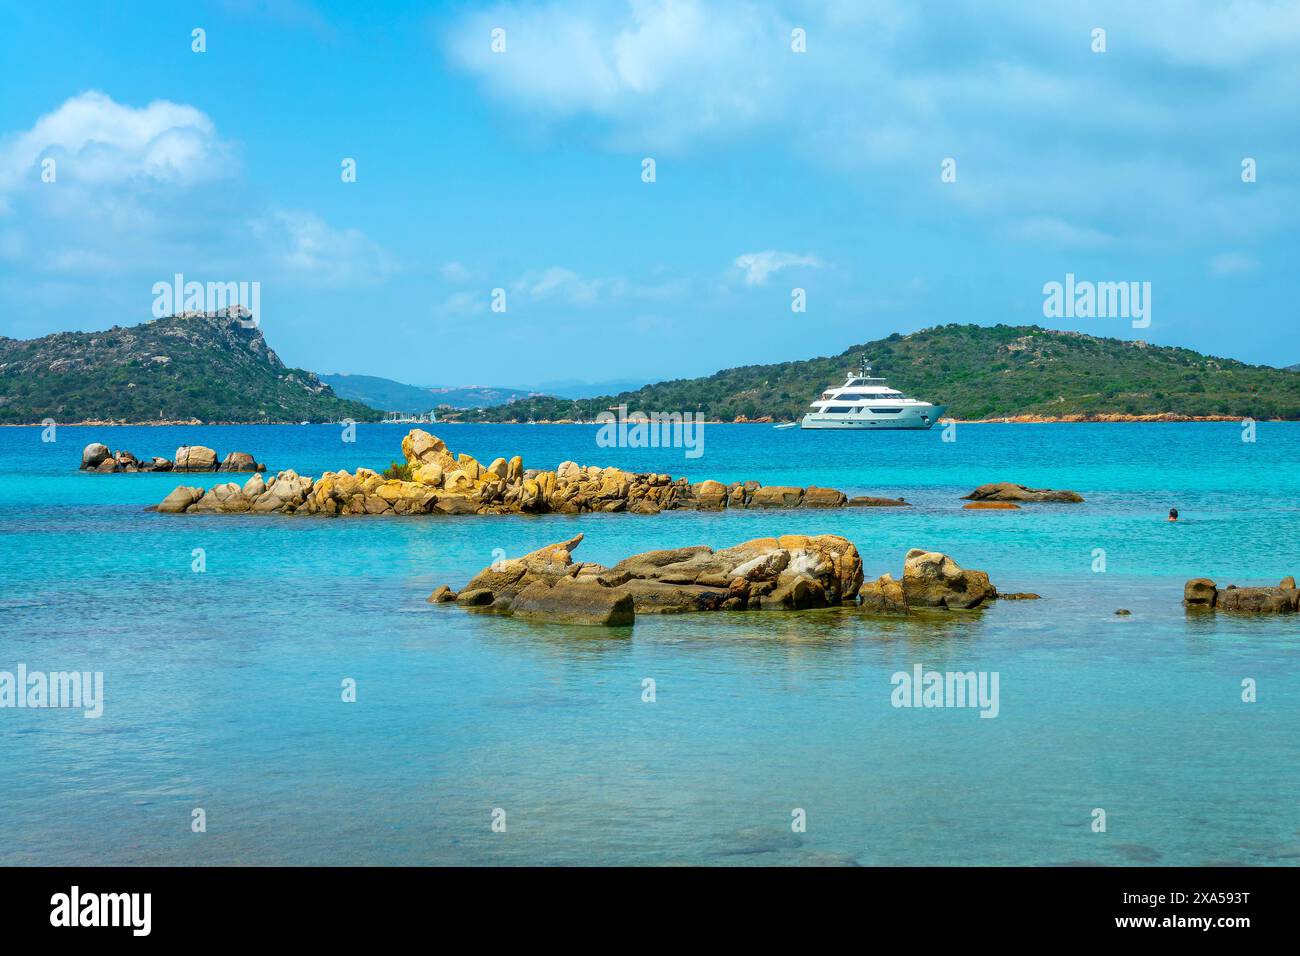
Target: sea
[277, 690]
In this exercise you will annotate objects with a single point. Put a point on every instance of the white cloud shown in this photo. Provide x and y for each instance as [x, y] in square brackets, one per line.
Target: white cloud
[662, 71]
[147, 191]
[97, 141]
[758, 266]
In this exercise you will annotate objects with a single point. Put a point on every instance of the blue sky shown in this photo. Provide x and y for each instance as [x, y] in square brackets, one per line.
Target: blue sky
[522, 170]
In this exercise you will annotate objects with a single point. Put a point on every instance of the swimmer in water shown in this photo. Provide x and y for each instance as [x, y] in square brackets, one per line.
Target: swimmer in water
[1173, 514]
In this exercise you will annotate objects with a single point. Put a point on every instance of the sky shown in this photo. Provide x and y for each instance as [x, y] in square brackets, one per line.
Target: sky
[905, 164]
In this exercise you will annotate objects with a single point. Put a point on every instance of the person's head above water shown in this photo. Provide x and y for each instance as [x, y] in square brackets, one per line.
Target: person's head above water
[1173, 514]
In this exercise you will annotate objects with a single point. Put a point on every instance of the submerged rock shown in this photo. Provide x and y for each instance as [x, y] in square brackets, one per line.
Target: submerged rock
[869, 501]
[442, 483]
[992, 506]
[1007, 491]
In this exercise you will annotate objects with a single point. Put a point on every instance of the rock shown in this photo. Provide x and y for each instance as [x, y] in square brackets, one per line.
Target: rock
[93, 454]
[776, 496]
[1257, 600]
[816, 497]
[711, 495]
[884, 595]
[195, 458]
[659, 597]
[1123, 612]
[574, 602]
[474, 597]
[108, 466]
[795, 591]
[441, 595]
[1199, 592]
[991, 506]
[932, 579]
[227, 498]
[254, 487]
[1020, 596]
[180, 500]
[1288, 583]
[161, 464]
[240, 461]
[1006, 491]
[868, 501]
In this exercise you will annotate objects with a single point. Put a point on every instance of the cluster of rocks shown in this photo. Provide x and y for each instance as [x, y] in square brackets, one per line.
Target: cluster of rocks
[1203, 593]
[1004, 495]
[97, 457]
[442, 483]
[792, 572]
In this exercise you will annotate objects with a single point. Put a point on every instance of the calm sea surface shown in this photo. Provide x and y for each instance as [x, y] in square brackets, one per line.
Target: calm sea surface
[222, 689]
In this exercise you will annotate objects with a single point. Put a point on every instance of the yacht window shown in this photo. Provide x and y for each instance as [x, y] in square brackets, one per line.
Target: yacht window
[886, 411]
[839, 409]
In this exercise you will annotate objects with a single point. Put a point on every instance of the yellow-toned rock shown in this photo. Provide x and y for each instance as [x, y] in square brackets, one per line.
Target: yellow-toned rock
[470, 467]
[420, 446]
[457, 481]
[430, 474]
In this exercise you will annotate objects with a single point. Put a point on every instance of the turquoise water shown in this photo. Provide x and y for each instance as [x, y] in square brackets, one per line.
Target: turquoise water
[223, 688]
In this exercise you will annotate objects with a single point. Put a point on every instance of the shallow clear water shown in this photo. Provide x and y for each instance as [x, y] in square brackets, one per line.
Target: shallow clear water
[223, 688]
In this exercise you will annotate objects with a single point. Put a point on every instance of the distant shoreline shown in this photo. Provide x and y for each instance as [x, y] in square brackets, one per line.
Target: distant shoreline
[1098, 419]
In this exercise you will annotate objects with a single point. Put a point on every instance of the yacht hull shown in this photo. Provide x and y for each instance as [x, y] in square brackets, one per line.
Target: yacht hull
[914, 418]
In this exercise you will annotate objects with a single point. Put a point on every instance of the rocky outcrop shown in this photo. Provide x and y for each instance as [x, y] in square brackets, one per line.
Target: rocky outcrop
[932, 579]
[1202, 593]
[442, 483]
[792, 572]
[96, 457]
[1006, 491]
[991, 506]
[285, 493]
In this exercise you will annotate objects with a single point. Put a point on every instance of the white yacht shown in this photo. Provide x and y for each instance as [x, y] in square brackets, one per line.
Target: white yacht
[867, 403]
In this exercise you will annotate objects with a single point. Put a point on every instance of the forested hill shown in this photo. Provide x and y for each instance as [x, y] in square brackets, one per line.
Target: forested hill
[979, 372]
[205, 366]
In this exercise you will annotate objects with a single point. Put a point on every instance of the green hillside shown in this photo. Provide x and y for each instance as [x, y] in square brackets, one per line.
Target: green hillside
[197, 366]
[979, 372]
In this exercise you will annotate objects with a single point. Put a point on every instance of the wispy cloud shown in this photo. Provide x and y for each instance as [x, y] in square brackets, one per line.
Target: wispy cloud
[759, 266]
